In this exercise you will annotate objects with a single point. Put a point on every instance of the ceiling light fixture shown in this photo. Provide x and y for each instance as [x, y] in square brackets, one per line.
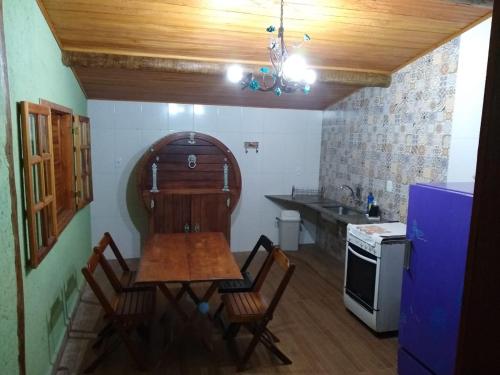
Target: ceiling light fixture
[288, 72]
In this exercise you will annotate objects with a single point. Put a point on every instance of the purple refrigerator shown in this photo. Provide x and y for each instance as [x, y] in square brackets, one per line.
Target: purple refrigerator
[438, 227]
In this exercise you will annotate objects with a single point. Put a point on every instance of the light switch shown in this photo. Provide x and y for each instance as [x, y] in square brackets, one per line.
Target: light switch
[388, 186]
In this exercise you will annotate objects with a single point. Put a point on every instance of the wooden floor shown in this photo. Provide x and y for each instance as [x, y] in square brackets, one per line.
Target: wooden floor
[315, 329]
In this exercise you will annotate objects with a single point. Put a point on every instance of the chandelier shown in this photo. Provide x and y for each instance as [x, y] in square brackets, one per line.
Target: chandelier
[288, 72]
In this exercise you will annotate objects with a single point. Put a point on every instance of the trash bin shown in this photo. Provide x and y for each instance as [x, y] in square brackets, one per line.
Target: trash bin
[289, 227]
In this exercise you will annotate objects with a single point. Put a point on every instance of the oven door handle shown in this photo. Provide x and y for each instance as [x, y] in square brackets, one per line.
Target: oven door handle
[361, 256]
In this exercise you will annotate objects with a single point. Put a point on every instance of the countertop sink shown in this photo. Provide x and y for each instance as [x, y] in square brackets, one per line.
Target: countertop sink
[329, 210]
[341, 210]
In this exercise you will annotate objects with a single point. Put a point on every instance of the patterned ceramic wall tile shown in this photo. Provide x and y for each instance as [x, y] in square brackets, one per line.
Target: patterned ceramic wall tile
[401, 133]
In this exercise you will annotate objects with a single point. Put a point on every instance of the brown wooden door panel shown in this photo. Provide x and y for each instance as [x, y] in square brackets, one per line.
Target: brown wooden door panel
[210, 213]
[171, 213]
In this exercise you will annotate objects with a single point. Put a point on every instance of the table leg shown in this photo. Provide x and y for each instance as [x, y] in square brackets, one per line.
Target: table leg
[186, 288]
[202, 311]
[181, 292]
[171, 298]
[191, 293]
[210, 291]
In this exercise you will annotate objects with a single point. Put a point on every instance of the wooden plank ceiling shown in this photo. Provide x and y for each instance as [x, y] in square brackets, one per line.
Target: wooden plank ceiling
[363, 36]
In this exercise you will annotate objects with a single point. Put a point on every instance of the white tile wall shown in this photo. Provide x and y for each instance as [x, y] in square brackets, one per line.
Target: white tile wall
[471, 78]
[289, 154]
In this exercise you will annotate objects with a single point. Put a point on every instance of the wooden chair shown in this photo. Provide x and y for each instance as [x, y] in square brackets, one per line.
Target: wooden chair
[127, 278]
[247, 283]
[231, 286]
[250, 309]
[132, 309]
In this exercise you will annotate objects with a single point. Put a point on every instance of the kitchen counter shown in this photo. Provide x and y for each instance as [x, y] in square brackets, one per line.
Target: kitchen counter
[327, 208]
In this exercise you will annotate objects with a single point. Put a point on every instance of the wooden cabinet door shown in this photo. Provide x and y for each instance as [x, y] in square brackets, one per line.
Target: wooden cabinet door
[171, 213]
[210, 213]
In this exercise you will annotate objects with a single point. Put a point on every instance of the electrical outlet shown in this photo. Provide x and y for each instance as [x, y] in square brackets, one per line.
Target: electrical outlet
[388, 186]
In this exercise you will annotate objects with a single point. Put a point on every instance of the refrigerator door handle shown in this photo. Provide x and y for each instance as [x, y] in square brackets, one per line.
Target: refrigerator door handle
[408, 251]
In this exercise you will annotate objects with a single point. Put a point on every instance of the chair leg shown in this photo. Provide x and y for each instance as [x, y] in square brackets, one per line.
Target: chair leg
[250, 349]
[272, 336]
[232, 331]
[105, 329]
[102, 336]
[132, 349]
[218, 311]
[268, 343]
[143, 331]
[106, 350]
[90, 368]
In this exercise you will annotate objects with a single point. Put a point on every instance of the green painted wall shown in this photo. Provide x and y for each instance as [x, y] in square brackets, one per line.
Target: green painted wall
[36, 71]
[8, 301]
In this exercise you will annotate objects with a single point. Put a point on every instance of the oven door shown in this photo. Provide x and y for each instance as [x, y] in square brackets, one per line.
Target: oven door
[361, 277]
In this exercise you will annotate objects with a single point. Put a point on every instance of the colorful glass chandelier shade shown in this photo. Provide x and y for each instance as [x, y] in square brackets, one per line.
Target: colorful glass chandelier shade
[288, 72]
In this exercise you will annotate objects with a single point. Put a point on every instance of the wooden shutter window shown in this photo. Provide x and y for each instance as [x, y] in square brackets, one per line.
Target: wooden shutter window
[83, 161]
[62, 141]
[39, 179]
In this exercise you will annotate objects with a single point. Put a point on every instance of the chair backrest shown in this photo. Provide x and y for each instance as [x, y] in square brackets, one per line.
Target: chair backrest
[279, 257]
[106, 241]
[88, 273]
[108, 270]
[263, 241]
[103, 244]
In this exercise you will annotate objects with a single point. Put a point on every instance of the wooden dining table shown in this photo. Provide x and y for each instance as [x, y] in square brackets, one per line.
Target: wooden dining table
[187, 258]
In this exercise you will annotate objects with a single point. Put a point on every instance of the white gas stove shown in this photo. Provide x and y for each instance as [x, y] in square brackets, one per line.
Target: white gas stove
[370, 236]
[373, 273]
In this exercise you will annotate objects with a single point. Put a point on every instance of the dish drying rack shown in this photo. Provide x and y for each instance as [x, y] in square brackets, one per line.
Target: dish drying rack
[307, 192]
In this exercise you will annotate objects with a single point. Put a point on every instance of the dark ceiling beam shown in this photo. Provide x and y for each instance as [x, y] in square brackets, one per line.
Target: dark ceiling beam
[479, 3]
[76, 59]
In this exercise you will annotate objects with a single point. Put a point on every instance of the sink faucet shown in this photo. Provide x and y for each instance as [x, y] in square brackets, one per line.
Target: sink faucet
[354, 198]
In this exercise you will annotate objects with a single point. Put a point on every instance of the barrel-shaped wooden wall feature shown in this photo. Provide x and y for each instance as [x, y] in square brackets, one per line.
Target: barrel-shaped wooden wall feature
[189, 164]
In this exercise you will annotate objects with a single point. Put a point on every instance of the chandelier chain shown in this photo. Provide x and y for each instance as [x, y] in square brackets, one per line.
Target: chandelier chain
[281, 14]
[287, 74]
